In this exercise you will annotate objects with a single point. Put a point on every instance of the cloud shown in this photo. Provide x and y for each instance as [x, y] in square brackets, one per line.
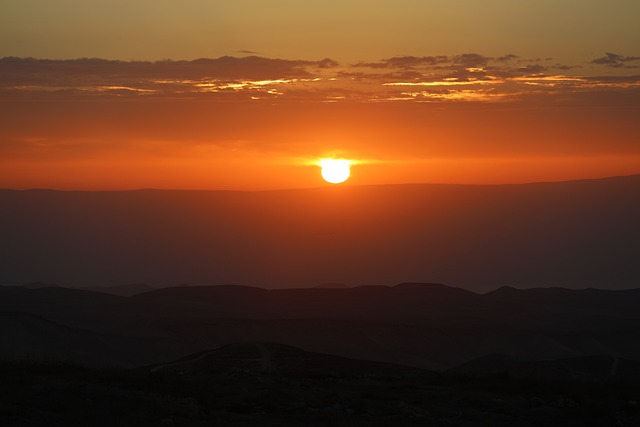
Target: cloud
[327, 63]
[410, 62]
[532, 69]
[469, 77]
[470, 60]
[565, 67]
[616, 61]
[464, 66]
[44, 71]
[405, 62]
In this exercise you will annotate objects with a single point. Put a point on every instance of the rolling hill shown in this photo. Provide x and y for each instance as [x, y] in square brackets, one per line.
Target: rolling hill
[427, 326]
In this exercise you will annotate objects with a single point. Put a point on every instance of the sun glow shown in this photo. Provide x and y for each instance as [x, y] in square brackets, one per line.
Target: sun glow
[335, 171]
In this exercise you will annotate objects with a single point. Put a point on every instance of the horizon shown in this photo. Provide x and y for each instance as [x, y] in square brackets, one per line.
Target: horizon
[324, 187]
[329, 287]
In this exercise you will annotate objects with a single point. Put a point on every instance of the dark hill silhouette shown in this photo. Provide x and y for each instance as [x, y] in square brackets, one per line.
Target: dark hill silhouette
[74, 307]
[373, 303]
[576, 234]
[26, 337]
[38, 285]
[599, 368]
[557, 303]
[121, 290]
[428, 326]
[276, 358]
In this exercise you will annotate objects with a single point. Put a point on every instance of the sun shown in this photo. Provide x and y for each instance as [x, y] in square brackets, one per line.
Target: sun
[335, 171]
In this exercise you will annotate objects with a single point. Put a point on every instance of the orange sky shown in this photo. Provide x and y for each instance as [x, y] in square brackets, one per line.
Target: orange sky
[261, 123]
[418, 92]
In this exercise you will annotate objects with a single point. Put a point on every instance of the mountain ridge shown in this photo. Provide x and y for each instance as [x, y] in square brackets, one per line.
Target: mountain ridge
[323, 188]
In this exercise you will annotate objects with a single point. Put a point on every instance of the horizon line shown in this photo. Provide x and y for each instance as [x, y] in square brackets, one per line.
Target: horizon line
[336, 186]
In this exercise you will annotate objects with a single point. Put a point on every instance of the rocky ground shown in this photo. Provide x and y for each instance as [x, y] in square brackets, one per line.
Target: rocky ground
[64, 395]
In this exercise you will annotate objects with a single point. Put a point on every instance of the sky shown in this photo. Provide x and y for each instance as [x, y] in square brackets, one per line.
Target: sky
[249, 95]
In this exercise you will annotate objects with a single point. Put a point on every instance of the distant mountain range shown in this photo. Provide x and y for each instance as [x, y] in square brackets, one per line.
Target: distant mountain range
[574, 234]
[425, 326]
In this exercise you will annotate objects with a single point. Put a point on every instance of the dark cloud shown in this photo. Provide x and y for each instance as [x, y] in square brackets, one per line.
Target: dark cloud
[532, 69]
[471, 60]
[506, 72]
[327, 63]
[404, 76]
[405, 62]
[566, 67]
[467, 60]
[614, 60]
[623, 79]
[44, 71]
[468, 76]
[463, 74]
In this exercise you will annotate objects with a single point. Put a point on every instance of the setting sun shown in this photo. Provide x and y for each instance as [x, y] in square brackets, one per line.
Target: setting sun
[335, 171]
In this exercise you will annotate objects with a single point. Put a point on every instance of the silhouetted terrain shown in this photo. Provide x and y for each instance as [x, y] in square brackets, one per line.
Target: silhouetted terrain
[277, 359]
[122, 290]
[322, 350]
[231, 387]
[597, 368]
[428, 326]
[574, 234]
[239, 356]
